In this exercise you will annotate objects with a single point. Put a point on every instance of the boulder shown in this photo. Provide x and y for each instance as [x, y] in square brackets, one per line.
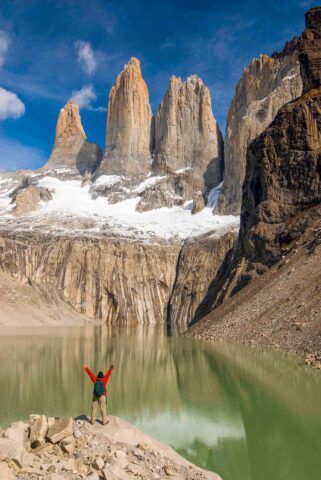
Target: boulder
[38, 431]
[5, 472]
[61, 429]
[198, 202]
[17, 432]
[9, 448]
[28, 199]
[68, 445]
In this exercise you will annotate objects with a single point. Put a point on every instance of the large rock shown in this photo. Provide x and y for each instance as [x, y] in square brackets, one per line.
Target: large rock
[267, 84]
[27, 200]
[61, 429]
[38, 431]
[5, 472]
[17, 432]
[282, 187]
[128, 125]
[187, 135]
[71, 149]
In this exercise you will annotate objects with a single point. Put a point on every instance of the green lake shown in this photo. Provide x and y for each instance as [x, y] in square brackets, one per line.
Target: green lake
[245, 413]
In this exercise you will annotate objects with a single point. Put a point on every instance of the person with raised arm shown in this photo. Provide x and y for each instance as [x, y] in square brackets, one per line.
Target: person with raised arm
[99, 393]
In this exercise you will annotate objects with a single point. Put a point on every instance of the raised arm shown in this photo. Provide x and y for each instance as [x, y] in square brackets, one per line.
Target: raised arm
[106, 377]
[90, 373]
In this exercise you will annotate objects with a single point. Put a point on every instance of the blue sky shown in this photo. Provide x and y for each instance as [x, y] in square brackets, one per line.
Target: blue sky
[52, 49]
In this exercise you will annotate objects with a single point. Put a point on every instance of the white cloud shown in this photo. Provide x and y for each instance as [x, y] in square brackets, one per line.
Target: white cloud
[86, 57]
[84, 96]
[15, 156]
[4, 45]
[10, 105]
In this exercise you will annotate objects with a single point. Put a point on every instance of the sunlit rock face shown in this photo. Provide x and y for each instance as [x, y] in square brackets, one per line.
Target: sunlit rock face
[128, 125]
[267, 84]
[187, 135]
[117, 281]
[71, 149]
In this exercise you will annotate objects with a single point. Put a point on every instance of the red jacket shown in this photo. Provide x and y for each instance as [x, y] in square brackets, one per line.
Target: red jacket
[104, 379]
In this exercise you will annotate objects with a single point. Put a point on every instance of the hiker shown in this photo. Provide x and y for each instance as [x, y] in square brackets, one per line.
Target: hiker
[99, 393]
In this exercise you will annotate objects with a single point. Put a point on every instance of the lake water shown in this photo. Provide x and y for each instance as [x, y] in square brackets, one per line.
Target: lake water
[244, 413]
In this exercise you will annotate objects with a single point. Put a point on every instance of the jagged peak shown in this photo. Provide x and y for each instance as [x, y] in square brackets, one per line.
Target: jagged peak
[313, 19]
[69, 121]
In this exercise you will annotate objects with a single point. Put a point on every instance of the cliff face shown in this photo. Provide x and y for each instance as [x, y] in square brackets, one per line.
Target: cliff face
[128, 125]
[198, 262]
[71, 149]
[114, 280]
[282, 188]
[187, 135]
[266, 85]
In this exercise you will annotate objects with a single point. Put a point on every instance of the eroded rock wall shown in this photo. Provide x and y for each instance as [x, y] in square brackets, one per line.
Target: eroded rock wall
[111, 280]
[267, 84]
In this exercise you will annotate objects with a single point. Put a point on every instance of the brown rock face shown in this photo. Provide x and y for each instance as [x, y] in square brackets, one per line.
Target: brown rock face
[310, 50]
[282, 188]
[266, 85]
[128, 125]
[71, 149]
[187, 135]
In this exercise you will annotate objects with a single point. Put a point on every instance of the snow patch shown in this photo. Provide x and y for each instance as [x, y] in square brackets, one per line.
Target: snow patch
[184, 170]
[107, 180]
[147, 183]
[73, 210]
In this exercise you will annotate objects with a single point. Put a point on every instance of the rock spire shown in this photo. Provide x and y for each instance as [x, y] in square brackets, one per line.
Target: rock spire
[71, 149]
[187, 135]
[129, 121]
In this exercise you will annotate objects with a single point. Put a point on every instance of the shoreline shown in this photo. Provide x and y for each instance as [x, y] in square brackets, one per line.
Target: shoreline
[66, 448]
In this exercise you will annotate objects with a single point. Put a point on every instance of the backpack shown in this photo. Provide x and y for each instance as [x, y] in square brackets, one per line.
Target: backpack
[98, 388]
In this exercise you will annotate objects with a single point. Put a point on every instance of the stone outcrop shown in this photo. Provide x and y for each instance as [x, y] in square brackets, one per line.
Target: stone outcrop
[60, 429]
[282, 188]
[267, 84]
[187, 135]
[71, 149]
[129, 119]
[27, 200]
[198, 202]
[115, 451]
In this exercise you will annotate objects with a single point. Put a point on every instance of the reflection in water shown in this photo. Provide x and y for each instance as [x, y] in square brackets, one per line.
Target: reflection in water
[247, 414]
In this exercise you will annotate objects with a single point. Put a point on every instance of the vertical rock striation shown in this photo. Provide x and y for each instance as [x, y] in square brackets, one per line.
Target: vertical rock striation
[187, 135]
[128, 125]
[71, 149]
[267, 84]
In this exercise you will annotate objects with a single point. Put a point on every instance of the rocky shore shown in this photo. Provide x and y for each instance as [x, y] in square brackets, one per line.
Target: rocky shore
[67, 448]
